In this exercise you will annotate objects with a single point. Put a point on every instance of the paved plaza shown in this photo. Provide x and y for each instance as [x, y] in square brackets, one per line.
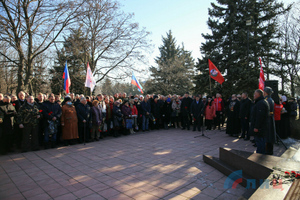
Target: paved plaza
[162, 164]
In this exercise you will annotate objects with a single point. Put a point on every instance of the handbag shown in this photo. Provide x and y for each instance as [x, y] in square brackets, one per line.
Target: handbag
[52, 127]
[128, 123]
[104, 127]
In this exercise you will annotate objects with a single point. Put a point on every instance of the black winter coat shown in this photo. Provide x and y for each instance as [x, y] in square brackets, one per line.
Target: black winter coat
[9, 113]
[260, 117]
[155, 109]
[197, 109]
[51, 110]
[271, 136]
[186, 105]
[84, 113]
[146, 107]
[245, 106]
[167, 111]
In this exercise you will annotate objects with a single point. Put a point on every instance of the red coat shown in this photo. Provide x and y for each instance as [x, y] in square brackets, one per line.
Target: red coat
[210, 111]
[134, 110]
[219, 103]
[277, 111]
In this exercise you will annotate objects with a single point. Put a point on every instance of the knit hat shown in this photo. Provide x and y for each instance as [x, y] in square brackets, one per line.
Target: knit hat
[67, 98]
[268, 90]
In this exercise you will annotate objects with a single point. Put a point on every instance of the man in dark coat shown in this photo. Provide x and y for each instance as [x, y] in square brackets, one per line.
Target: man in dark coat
[156, 112]
[138, 104]
[28, 120]
[233, 120]
[271, 135]
[146, 110]
[51, 113]
[40, 102]
[166, 113]
[6, 125]
[186, 103]
[84, 119]
[259, 120]
[244, 115]
[197, 109]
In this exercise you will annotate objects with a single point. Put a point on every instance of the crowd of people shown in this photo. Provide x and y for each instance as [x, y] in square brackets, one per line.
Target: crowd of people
[29, 123]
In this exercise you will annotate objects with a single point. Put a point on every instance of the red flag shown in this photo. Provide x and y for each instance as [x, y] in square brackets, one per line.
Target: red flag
[215, 73]
[261, 84]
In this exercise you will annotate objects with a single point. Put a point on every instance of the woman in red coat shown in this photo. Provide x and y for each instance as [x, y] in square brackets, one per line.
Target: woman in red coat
[69, 122]
[134, 114]
[210, 113]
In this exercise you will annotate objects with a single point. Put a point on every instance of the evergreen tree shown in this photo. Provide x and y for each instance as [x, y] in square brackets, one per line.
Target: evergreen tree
[227, 48]
[174, 71]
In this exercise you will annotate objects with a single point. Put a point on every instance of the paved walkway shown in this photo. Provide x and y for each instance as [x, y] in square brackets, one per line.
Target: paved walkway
[154, 165]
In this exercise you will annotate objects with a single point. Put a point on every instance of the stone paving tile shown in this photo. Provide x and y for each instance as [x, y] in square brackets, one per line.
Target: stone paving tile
[164, 164]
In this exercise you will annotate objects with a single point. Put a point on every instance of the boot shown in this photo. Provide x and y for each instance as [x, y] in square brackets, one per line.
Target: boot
[175, 124]
[53, 144]
[179, 125]
[166, 126]
[46, 145]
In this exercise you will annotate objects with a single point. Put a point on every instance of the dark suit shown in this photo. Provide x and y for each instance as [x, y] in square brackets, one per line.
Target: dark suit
[259, 120]
[185, 112]
[245, 105]
[271, 136]
[197, 109]
[83, 113]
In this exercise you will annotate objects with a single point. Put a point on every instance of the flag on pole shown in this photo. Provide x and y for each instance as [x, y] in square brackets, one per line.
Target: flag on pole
[67, 79]
[89, 81]
[215, 73]
[261, 84]
[135, 82]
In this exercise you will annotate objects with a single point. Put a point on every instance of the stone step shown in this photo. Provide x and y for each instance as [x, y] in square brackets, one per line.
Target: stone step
[289, 153]
[227, 170]
[294, 192]
[257, 166]
[224, 168]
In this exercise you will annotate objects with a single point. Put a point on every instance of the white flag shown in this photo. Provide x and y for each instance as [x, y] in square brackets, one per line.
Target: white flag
[89, 81]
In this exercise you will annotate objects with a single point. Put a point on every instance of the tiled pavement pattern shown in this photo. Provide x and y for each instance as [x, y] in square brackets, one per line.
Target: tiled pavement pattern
[153, 165]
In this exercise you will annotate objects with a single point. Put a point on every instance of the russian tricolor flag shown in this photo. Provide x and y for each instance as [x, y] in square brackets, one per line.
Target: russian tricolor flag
[67, 80]
[135, 82]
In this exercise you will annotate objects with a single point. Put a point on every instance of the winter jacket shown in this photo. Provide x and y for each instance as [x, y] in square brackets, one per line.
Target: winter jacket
[197, 109]
[210, 111]
[260, 116]
[83, 113]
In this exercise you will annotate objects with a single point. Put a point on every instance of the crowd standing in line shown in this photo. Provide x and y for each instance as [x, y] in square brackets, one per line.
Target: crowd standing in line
[30, 124]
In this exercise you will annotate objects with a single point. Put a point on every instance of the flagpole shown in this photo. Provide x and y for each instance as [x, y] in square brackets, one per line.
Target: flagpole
[210, 84]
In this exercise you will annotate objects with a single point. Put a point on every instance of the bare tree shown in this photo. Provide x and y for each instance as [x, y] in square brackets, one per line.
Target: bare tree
[30, 27]
[290, 49]
[116, 43]
[8, 71]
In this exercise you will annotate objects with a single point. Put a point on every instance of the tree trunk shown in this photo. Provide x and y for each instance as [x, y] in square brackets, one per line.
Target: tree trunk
[20, 75]
[292, 85]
